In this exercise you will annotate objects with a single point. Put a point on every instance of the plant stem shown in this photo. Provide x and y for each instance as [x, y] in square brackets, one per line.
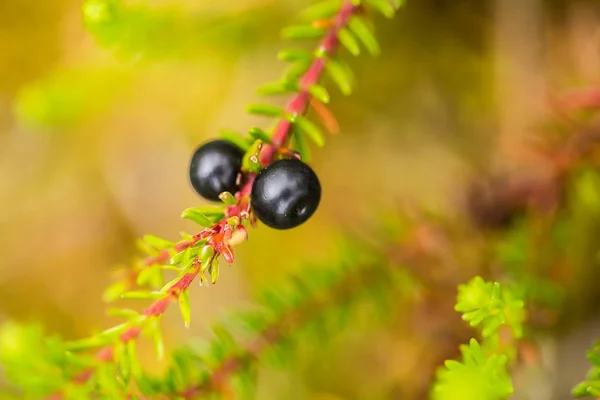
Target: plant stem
[300, 102]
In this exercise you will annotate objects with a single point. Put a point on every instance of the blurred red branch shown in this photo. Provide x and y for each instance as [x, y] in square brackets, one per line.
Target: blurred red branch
[578, 99]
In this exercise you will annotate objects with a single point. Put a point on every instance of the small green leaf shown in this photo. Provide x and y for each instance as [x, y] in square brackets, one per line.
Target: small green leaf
[85, 344]
[236, 138]
[495, 291]
[321, 10]
[362, 32]
[145, 275]
[341, 75]
[158, 243]
[157, 278]
[115, 330]
[140, 295]
[320, 93]
[188, 258]
[213, 270]
[114, 291]
[157, 339]
[214, 213]
[295, 55]
[308, 127]
[259, 134]
[145, 248]
[193, 215]
[300, 144]
[279, 87]
[136, 368]
[169, 285]
[184, 306]
[123, 362]
[383, 6]
[250, 161]
[183, 257]
[296, 70]
[206, 256]
[123, 312]
[349, 41]
[265, 109]
[227, 198]
[302, 32]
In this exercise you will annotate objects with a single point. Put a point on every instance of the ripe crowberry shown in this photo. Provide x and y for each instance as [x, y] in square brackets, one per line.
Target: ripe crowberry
[285, 194]
[214, 168]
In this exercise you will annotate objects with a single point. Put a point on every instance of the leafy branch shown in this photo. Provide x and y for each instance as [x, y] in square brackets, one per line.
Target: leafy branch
[197, 256]
[590, 387]
[309, 305]
[482, 372]
[303, 307]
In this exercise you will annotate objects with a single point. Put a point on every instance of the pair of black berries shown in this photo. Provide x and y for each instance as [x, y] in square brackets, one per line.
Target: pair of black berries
[284, 194]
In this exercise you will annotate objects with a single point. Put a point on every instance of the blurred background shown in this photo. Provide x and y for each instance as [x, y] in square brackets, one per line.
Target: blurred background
[96, 135]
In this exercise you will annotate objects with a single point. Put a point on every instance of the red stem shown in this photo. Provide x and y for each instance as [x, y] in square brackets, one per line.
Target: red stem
[300, 102]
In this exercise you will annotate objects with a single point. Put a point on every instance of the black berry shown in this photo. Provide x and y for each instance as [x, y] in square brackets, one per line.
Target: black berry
[214, 168]
[285, 194]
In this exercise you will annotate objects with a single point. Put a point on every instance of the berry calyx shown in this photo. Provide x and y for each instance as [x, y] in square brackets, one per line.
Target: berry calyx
[214, 168]
[285, 194]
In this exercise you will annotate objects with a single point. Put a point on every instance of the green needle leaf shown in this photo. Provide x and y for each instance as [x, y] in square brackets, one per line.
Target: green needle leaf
[341, 75]
[349, 41]
[383, 6]
[362, 32]
[123, 312]
[114, 291]
[140, 295]
[302, 32]
[265, 109]
[123, 362]
[85, 344]
[300, 144]
[184, 306]
[213, 270]
[279, 87]
[227, 198]
[193, 215]
[206, 256]
[157, 242]
[321, 10]
[308, 127]
[236, 138]
[259, 134]
[294, 55]
[320, 93]
[157, 339]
